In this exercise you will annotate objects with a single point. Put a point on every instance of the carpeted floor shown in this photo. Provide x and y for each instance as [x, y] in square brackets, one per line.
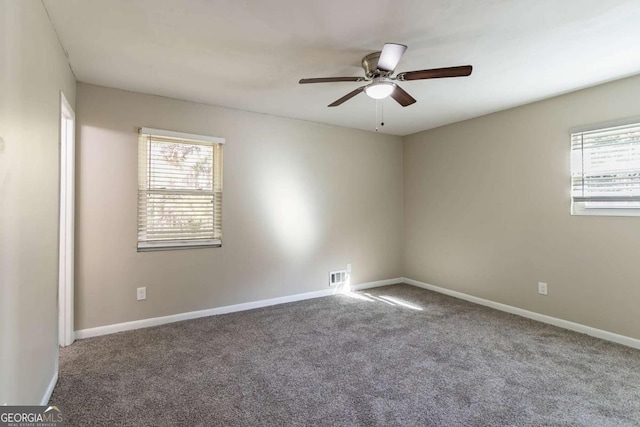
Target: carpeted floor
[396, 355]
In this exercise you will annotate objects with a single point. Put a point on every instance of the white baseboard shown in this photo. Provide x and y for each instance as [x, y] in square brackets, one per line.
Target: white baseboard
[145, 323]
[577, 327]
[49, 391]
[376, 284]
[155, 321]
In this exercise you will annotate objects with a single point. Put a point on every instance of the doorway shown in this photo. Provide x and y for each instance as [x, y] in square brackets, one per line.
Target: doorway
[66, 334]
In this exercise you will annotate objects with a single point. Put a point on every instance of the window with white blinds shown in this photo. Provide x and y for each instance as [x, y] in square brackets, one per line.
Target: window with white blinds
[605, 171]
[179, 190]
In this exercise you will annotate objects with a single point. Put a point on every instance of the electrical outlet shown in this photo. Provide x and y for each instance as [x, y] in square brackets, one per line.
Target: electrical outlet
[141, 293]
[348, 268]
[542, 288]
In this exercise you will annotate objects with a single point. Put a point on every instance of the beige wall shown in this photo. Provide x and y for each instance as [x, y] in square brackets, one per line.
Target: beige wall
[33, 71]
[486, 206]
[300, 199]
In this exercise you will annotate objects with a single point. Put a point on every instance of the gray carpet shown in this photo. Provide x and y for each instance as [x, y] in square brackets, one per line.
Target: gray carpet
[340, 360]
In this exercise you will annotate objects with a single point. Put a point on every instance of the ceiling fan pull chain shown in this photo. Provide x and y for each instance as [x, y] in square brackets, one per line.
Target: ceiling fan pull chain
[376, 115]
[382, 114]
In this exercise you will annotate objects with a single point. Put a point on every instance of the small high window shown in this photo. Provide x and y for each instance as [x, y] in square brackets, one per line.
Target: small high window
[179, 190]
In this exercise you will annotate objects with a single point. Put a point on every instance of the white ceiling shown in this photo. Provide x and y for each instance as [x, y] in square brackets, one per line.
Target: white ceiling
[250, 55]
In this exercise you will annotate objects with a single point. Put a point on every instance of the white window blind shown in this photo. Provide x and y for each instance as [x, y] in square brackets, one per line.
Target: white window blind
[605, 168]
[179, 190]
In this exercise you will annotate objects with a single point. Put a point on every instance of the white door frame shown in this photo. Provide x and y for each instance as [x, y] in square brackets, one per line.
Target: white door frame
[66, 334]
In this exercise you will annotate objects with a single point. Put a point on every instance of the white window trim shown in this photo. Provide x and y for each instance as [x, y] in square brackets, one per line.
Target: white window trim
[182, 135]
[604, 125]
[177, 244]
[578, 207]
[160, 245]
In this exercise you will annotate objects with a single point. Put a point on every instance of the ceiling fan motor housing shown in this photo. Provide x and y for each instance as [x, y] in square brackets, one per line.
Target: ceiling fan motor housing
[370, 66]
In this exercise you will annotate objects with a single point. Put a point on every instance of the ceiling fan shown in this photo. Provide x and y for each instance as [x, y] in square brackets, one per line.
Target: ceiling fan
[378, 69]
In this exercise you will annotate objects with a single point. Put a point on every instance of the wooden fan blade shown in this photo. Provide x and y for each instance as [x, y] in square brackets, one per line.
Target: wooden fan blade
[402, 97]
[390, 56]
[331, 80]
[347, 97]
[436, 73]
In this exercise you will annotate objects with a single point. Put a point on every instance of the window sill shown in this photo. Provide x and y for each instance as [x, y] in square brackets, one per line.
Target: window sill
[178, 245]
[581, 210]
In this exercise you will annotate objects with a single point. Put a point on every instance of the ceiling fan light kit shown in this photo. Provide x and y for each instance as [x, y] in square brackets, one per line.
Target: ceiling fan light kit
[380, 89]
[378, 69]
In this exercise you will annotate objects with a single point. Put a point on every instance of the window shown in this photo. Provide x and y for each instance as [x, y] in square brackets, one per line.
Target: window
[179, 190]
[605, 171]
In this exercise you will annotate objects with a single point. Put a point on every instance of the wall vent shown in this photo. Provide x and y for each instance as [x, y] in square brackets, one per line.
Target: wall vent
[337, 277]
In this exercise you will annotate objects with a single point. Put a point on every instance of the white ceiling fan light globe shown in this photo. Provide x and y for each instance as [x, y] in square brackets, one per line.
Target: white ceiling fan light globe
[380, 90]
